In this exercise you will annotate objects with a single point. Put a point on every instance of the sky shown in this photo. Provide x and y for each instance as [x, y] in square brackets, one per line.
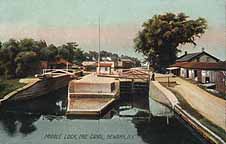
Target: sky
[61, 21]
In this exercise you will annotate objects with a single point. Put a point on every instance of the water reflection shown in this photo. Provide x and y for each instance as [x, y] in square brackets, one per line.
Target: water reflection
[20, 116]
[156, 131]
[128, 116]
[52, 104]
[16, 122]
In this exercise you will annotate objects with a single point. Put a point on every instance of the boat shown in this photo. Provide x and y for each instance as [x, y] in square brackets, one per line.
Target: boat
[41, 85]
[92, 95]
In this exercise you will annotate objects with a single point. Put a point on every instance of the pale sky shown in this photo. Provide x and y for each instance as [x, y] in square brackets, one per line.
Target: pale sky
[61, 21]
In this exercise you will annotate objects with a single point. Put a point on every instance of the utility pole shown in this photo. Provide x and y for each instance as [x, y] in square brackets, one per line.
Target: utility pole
[98, 68]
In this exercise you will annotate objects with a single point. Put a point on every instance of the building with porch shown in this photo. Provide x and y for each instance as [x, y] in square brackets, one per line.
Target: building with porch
[213, 74]
[203, 72]
[202, 57]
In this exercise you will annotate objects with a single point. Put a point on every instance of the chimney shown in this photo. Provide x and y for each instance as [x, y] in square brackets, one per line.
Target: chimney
[185, 53]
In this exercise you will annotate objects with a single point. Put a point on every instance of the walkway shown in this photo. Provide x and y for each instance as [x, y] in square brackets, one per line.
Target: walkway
[210, 106]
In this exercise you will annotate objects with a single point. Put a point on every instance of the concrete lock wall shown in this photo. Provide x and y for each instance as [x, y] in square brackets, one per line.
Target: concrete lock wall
[156, 94]
[158, 109]
[90, 87]
[161, 100]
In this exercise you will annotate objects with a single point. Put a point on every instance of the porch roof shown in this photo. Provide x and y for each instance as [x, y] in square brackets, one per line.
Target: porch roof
[205, 65]
[200, 65]
[178, 64]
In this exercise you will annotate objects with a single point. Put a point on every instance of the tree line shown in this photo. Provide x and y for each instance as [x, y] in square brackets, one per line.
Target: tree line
[21, 58]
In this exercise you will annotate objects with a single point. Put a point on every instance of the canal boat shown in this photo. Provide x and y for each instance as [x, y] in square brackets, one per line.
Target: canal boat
[91, 95]
[45, 83]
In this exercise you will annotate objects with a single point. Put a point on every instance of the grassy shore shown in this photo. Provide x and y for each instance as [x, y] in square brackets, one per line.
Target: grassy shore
[7, 86]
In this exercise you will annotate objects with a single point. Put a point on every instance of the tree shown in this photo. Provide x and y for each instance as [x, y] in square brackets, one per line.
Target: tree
[79, 56]
[27, 63]
[49, 53]
[8, 52]
[162, 34]
[67, 51]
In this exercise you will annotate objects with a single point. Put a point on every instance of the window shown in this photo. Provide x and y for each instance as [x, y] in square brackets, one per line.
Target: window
[106, 68]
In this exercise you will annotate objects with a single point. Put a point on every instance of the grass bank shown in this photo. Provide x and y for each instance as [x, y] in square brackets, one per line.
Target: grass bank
[7, 86]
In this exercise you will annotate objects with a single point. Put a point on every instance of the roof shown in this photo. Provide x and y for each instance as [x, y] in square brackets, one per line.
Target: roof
[188, 57]
[105, 64]
[178, 64]
[191, 56]
[94, 63]
[126, 60]
[204, 65]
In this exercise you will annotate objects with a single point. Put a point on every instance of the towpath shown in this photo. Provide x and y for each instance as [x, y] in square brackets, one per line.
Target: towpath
[208, 105]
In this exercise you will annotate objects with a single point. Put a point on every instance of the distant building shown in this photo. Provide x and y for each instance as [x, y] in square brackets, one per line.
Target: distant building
[106, 67]
[89, 65]
[57, 64]
[126, 63]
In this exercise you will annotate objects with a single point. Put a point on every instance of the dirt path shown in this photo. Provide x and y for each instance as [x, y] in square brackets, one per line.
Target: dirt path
[208, 105]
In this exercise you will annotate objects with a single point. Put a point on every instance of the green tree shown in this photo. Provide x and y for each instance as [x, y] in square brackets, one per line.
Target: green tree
[27, 63]
[49, 53]
[8, 53]
[28, 44]
[67, 51]
[79, 56]
[162, 34]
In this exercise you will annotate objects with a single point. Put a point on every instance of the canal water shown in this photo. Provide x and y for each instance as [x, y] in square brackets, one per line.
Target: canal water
[42, 121]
